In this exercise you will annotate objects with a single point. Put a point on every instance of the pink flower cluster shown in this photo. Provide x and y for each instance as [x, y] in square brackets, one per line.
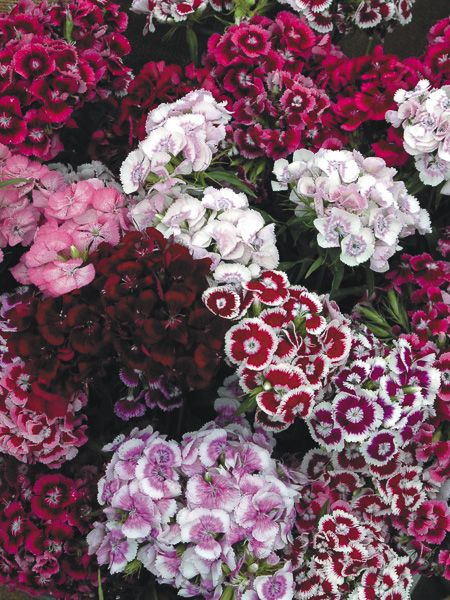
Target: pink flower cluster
[30, 183]
[424, 115]
[76, 220]
[182, 137]
[324, 15]
[208, 515]
[261, 67]
[35, 425]
[42, 526]
[286, 346]
[358, 206]
[54, 59]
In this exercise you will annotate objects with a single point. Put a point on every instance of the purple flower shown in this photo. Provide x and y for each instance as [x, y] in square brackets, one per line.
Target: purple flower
[215, 490]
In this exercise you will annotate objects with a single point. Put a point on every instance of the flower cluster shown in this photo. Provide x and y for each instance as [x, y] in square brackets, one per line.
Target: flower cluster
[436, 57]
[355, 203]
[208, 515]
[218, 225]
[35, 426]
[26, 185]
[286, 346]
[124, 122]
[42, 528]
[261, 66]
[377, 403]
[362, 89]
[424, 114]
[324, 15]
[175, 11]
[53, 60]
[76, 220]
[141, 318]
[182, 137]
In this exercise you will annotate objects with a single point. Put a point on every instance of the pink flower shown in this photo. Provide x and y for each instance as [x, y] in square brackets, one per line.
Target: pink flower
[279, 586]
[116, 550]
[200, 527]
[141, 514]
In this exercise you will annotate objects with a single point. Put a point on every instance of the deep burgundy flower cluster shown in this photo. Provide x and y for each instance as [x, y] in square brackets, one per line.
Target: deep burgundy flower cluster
[54, 59]
[423, 284]
[43, 523]
[266, 69]
[142, 315]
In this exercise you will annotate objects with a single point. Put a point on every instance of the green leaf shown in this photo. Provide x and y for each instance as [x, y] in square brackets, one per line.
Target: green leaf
[337, 279]
[242, 9]
[316, 265]
[247, 405]
[192, 42]
[68, 27]
[7, 182]
[373, 316]
[227, 594]
[100, 589]
[230, 178]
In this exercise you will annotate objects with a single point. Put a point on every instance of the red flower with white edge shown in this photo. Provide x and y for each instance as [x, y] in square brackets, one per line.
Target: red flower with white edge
[341, 530]
[336, 341]
[271, 287]
[275, 317]
[403, 491]
[222, 301]
[380, 448]
[304, 307]
[299, 403]
[316, 369]
[251, 343]
[250, 380]
[279, 381]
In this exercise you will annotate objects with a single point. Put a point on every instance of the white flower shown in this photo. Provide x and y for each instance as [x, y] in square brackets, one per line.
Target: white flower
[223, 199]
[134, 171]
[357, 248]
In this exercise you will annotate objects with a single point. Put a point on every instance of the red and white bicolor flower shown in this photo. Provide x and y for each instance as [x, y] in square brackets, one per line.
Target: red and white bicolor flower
[285, 393]
[336, 341]
[305, 307]
[251, 344]
[271, 287]
[223, 301]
